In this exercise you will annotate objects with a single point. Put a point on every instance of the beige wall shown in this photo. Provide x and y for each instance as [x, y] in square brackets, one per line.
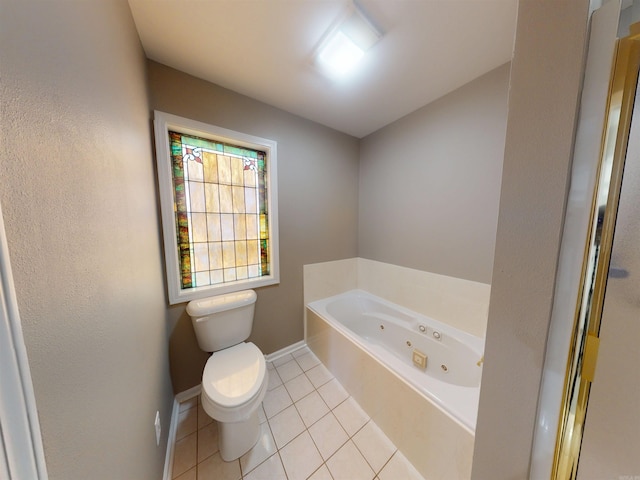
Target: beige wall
[430, 183]
[546, 75]
[78, 194]
[317, 195]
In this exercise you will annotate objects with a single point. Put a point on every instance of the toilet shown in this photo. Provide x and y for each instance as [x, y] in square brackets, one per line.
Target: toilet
[235, 377]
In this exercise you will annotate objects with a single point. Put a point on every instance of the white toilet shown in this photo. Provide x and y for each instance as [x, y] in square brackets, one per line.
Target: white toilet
[235, 377]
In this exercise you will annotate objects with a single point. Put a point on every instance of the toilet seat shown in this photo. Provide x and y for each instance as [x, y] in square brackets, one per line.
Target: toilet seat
[234, 382]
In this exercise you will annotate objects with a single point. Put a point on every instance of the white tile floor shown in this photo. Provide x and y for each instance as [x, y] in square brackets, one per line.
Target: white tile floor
[311, 429]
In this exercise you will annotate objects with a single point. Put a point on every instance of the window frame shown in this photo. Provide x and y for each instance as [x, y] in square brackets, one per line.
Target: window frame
[165, 122]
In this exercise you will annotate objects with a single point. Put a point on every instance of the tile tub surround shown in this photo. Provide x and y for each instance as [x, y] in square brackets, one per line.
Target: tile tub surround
[463, 304]
[311, 429]
[437, 445]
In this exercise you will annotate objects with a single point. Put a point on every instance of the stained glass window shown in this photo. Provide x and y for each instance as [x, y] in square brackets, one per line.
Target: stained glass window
[218, 193]
[221, 211]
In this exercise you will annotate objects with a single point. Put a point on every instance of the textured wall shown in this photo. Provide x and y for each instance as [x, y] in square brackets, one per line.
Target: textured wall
[430, 183]
[79, 198]
[317, 195]
[546, 75]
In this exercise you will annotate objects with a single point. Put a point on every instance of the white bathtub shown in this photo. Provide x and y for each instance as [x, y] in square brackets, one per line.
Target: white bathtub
[391, 334]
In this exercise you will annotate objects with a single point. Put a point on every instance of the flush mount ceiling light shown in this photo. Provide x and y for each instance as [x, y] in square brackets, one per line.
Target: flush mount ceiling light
[346, 42]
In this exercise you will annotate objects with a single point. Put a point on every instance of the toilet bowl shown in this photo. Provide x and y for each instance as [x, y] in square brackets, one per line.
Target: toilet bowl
[234, 384]
[235, 377]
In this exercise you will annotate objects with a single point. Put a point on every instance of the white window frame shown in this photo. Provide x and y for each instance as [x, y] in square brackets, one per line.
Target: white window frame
[165, 122]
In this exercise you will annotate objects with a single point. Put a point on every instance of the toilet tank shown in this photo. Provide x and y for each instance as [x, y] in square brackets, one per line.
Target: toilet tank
[224, 320]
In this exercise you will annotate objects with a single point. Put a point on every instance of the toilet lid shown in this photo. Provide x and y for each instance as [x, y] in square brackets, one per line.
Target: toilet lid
[234, 375]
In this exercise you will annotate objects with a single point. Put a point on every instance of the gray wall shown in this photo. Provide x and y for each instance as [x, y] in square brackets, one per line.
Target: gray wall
[430, 183]
[79, 198]
[318, 205]
[546, 76]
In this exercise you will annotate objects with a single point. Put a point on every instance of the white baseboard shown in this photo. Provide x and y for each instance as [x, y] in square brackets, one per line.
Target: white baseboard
[171, 440]
[168, 459]
[188, 394]
[284, 351]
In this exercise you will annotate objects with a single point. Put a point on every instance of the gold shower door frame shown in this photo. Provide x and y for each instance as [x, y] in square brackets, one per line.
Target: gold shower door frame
[583, 353]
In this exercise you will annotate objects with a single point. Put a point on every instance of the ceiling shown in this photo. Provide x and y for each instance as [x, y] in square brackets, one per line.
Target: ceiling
[263, 49]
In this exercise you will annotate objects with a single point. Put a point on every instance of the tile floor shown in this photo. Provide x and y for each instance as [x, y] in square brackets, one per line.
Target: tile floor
[311, 429]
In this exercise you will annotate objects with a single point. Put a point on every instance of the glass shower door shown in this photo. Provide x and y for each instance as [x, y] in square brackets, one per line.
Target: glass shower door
[611, 441]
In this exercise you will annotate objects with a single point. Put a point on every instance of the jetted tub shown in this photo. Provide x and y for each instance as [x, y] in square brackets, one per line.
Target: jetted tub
[396, 336]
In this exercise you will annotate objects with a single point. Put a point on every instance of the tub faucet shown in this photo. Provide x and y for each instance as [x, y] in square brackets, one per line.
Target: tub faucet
[481, 361]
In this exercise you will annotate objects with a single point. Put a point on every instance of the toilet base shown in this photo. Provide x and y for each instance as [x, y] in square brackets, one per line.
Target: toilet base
[237, 438]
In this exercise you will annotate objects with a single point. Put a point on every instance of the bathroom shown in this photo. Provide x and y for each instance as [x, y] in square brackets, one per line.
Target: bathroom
[81, 216]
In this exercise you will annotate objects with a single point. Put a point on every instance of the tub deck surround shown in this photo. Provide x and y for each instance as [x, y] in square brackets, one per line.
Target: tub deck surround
[431, 424]
[463, 304]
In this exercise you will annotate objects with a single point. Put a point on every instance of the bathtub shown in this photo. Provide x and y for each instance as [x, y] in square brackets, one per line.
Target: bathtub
[392, 334]
[430, 411]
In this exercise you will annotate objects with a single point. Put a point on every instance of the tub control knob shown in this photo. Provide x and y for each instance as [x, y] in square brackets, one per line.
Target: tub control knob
[437, 335]
[422, 328]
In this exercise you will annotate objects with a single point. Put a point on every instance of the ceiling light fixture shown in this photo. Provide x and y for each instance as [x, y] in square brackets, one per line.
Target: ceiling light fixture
[346, 42]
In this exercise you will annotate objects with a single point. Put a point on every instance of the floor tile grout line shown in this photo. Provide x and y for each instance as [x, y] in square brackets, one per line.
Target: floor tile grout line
[292, 439]
[277, 452]
[387, 462]
[274, 442]
[306, 428]
[187, 433]
[322, 384]
[282, 463]
[282, 410]
[349, 437]
[301, 367]
[365, 457]
[276, 445]
[324, 462]
[325, 403]
[303, 371]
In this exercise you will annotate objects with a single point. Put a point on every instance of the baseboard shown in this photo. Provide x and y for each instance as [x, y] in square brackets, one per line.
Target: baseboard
[171, 440]
[168, 459]
[188, 394]
[284, 351]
